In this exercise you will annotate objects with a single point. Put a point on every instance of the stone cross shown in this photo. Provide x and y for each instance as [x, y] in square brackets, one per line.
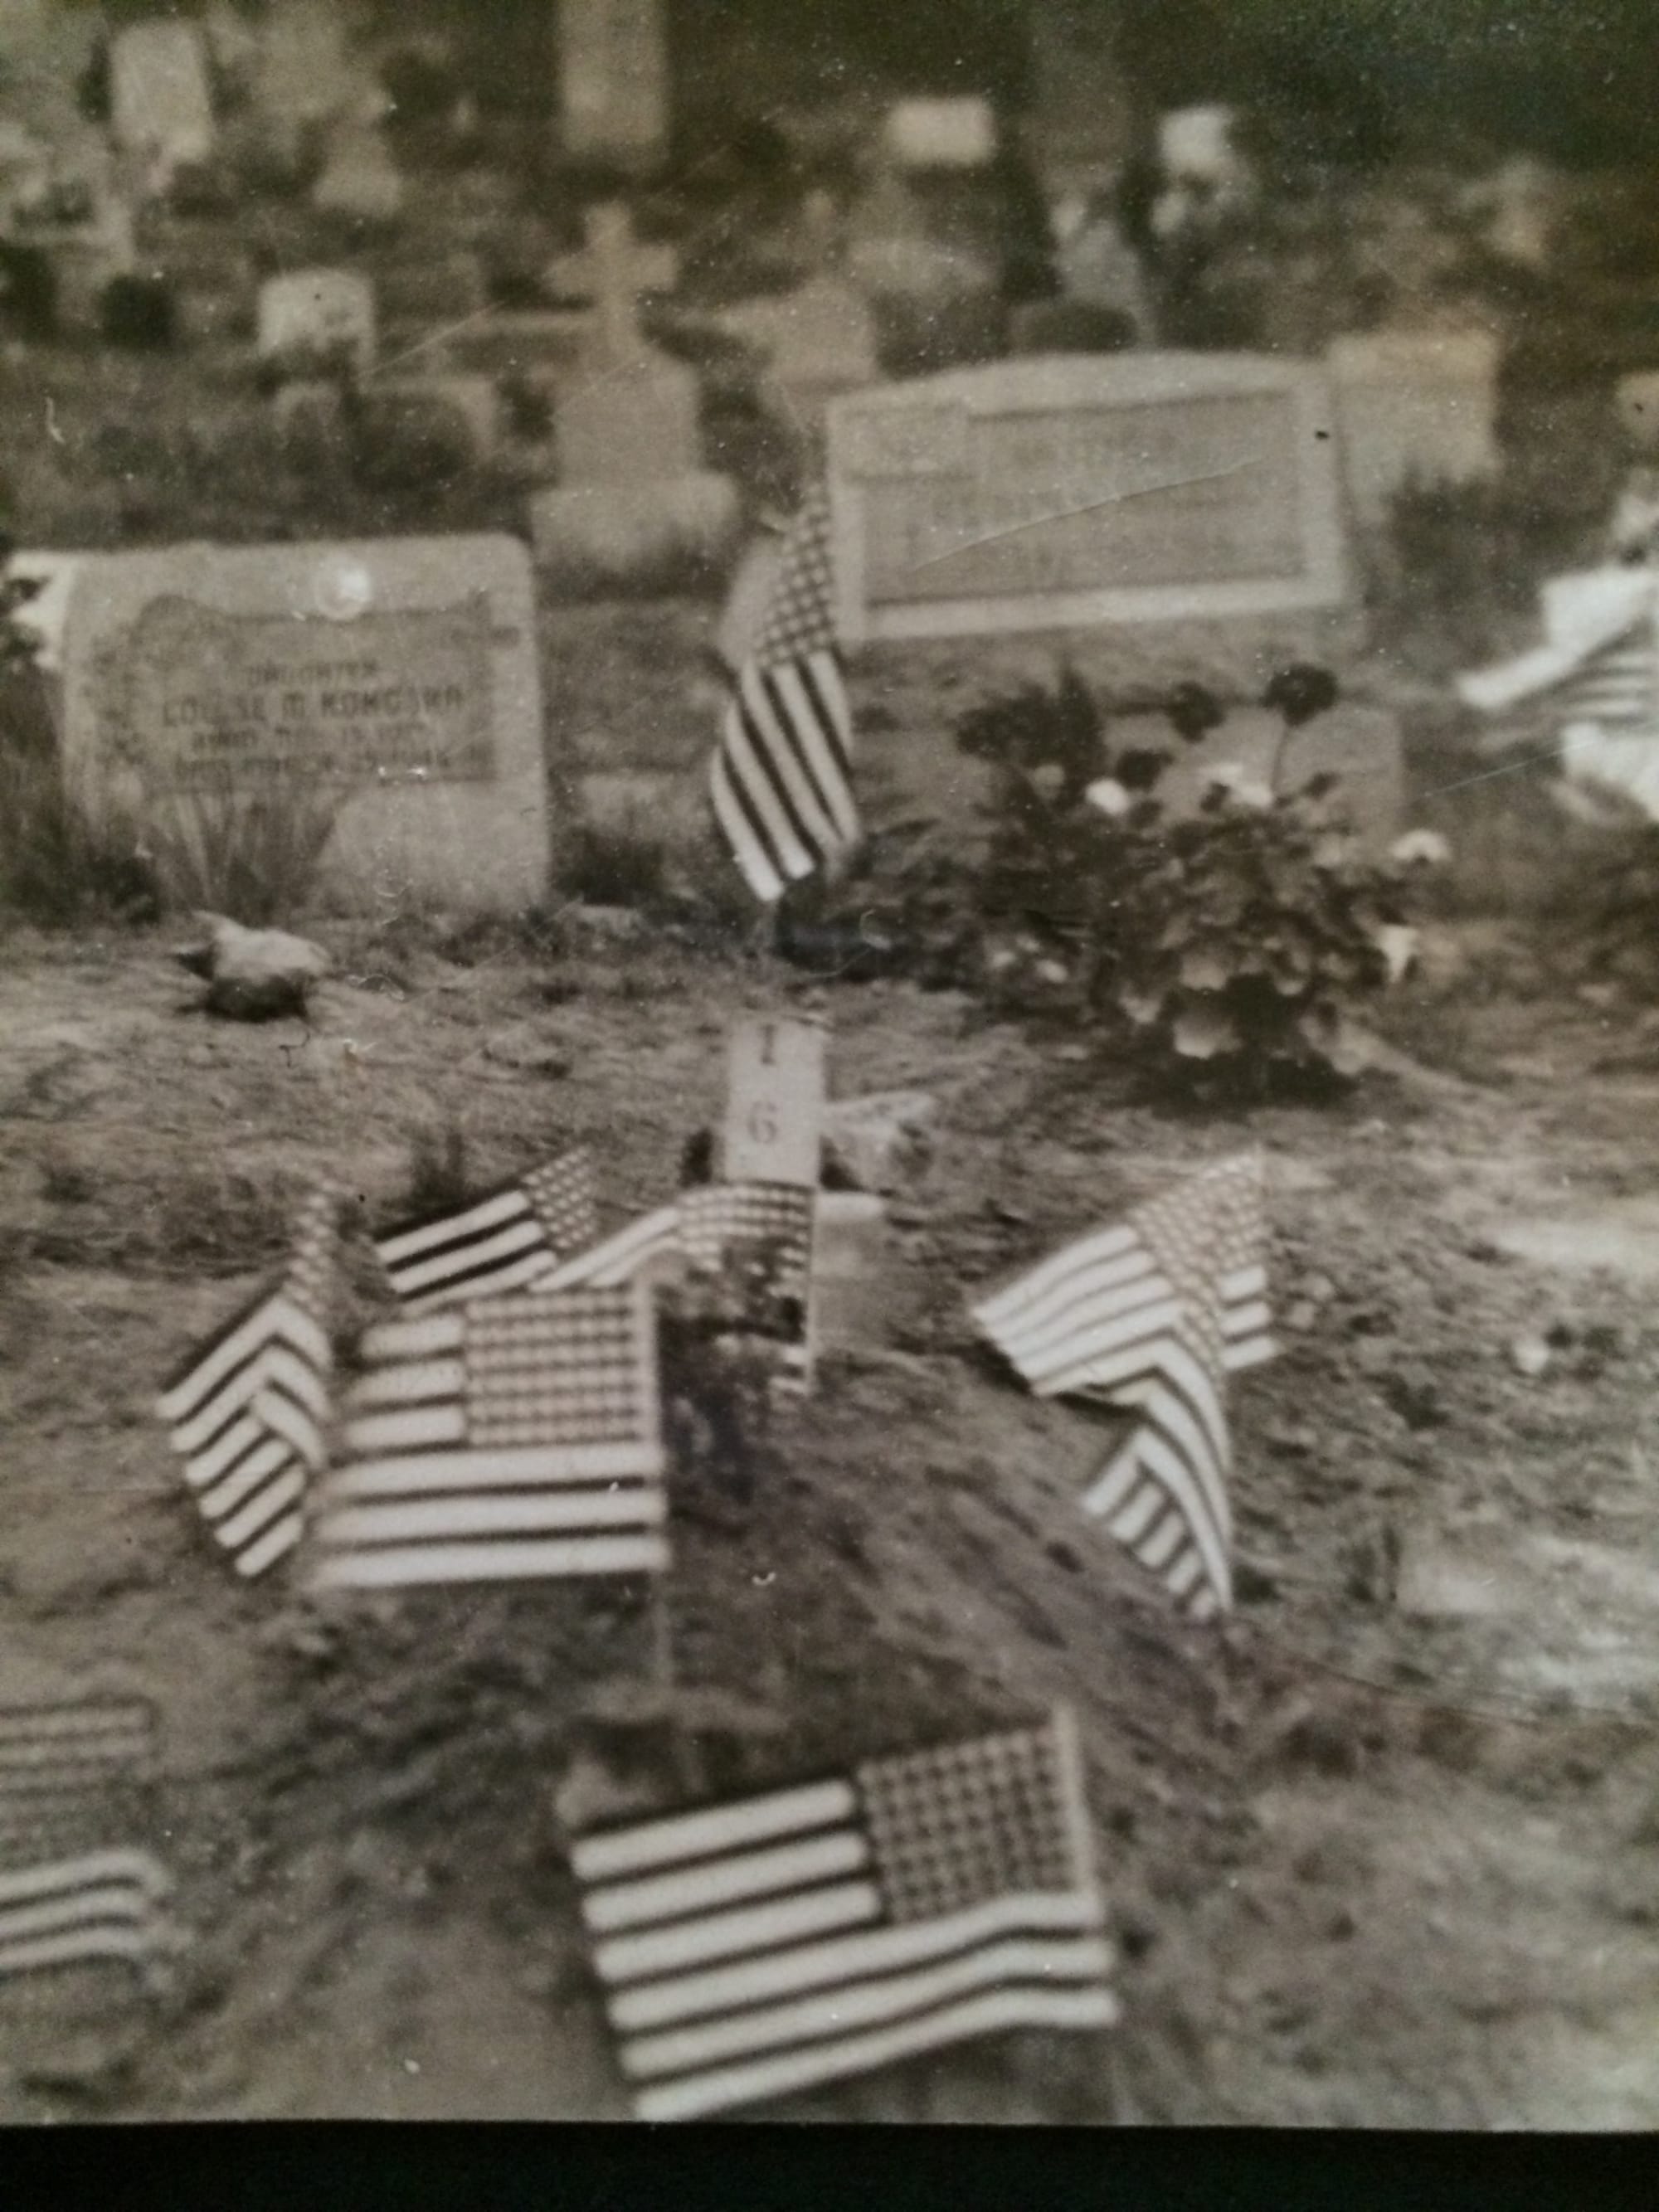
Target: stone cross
[613, 270]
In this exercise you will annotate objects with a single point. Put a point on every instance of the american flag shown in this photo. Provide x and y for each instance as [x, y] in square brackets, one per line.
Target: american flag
[1152, 1317]
[1095, 1314]
[624, 1257]
[246, 1411]
[1619, 687]
[74, 1890]
[509, 1438]
[1162, 1493]
[781, 777]
[755, 1948]
[755, 1239]
[506, 1240]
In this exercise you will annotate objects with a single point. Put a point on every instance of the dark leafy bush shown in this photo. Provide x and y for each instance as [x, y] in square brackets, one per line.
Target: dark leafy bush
[1228, 948]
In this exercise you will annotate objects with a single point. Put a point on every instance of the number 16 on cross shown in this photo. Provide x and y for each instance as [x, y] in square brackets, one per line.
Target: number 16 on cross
[773, 1129]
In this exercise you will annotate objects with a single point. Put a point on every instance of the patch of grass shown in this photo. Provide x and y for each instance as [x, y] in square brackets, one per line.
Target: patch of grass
[256, 859]
[58, 866]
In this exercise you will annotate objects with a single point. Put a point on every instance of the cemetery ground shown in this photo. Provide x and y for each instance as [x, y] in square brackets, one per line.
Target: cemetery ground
[1376, 1851]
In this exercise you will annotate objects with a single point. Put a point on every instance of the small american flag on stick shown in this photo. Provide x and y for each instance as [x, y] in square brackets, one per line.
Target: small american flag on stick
[248, 1409]
[506, 1240]
[1090, 1314]
[758, 1948]
[74, 1890]
[780, 778]
[510, 1438]
[755, 1240]
[1152, 1317]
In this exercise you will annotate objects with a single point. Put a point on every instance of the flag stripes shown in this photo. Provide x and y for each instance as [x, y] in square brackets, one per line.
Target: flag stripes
[755, 1948]
[1150, 1316]
[248, 1412]
[73, 1778]
[780, 781]
[624, 1257]
[504, 1439]
[508, 1239]
[756, 1239]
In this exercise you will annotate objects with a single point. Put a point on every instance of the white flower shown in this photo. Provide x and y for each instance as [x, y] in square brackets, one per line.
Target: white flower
[1425, 849]
[1235, 779]
[1109, 795]
[1398, 946]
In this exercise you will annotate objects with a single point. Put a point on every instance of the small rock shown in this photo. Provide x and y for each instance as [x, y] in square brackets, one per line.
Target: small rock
[253, 975]
[1301, 1317]
[1530, 1356]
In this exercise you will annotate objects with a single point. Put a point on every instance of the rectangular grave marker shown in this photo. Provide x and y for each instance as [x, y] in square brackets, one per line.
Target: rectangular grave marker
[773, 1129]
[1057, 492]
[389, 683]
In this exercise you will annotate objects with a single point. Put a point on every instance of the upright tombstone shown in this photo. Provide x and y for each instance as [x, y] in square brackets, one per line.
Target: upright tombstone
[1054, 493]
[305, 76]
[360, 180]
[613, 82]
[1414, 407]
[941, 134]
[386, 692]
[818, 340]
[773, 1129]
[631, 488]
[161, 96]
[311, 316]
[1079, 125]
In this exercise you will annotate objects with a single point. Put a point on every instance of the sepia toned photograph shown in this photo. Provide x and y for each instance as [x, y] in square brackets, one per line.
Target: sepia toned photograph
[829, 1064]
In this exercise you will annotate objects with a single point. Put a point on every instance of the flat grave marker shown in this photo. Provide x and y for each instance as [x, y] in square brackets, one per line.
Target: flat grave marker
[391, 684]
[773, 1129]
[1064, 492]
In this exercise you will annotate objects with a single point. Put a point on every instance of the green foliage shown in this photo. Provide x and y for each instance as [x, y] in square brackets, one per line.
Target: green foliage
[1224, 949]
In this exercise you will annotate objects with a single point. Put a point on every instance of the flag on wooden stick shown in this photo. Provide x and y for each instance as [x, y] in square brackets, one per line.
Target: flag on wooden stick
[509, 1438]
[758, 1948]
[506, 1240]
[780, 778]
[627, 1256]
[247, 1411]
[74, 1890]
[754, 1240]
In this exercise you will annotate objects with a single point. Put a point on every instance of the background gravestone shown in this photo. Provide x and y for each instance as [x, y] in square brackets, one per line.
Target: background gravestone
[161, 98]
[632, 490]
[391, 682]
[1061, 492]
[1414, 407]
[311, 314]
[613, 82]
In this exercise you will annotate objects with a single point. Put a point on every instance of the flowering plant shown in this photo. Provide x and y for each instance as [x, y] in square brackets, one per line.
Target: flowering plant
[1227, 945]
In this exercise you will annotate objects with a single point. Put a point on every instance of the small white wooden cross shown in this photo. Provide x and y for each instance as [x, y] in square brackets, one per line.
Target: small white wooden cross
[612, 269]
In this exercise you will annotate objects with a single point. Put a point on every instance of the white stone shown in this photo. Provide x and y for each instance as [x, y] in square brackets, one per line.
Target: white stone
[614, 85]
[161, 98]
[941, 134]
[313, 311]
[1414, 406]
[359, 178]
[389, 687]
[618, 532]
[1058, 492]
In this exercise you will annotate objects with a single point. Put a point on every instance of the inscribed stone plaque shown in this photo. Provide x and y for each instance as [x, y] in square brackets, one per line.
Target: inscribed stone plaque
[1061, 492]
[388, 686]
[775, 1102]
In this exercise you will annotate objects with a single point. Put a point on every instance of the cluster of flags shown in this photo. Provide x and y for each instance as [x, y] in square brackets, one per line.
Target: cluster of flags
[504, 1421]
[76, 1887]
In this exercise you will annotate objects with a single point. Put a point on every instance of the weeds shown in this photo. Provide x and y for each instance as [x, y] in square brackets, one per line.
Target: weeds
[59, 867]
[256, 859]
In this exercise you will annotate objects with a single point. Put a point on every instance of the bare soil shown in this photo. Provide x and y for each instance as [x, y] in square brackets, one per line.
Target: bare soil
[1370, 1861]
